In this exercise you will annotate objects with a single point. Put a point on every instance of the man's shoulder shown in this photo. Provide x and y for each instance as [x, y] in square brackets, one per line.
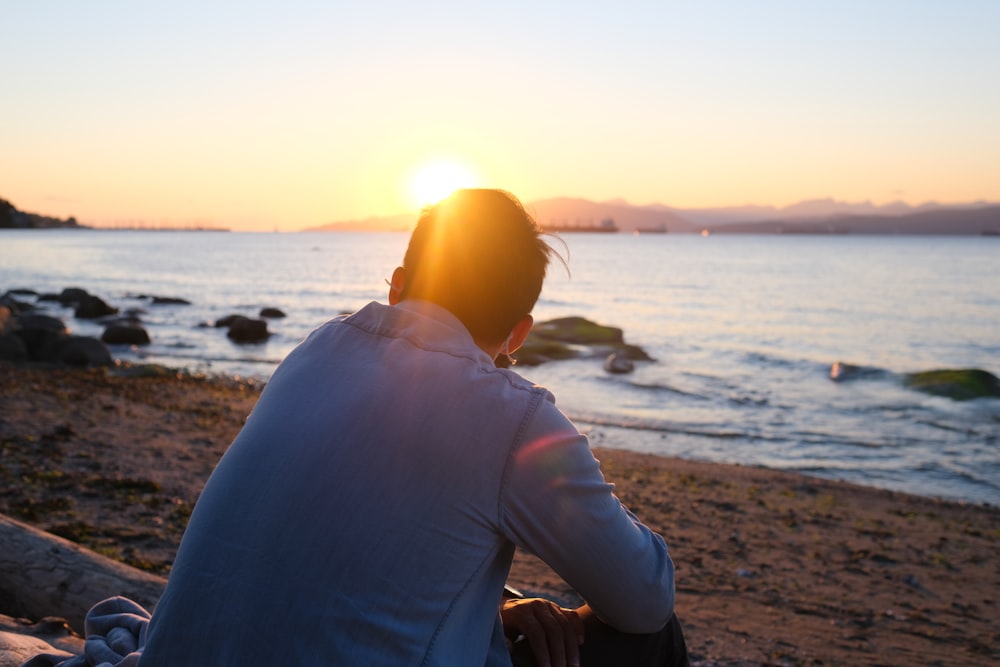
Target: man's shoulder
[518, 382]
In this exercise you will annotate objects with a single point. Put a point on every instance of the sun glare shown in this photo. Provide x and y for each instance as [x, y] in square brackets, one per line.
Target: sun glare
[436, 180]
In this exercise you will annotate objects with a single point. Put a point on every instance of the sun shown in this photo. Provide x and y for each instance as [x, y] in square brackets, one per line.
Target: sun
[436, 180]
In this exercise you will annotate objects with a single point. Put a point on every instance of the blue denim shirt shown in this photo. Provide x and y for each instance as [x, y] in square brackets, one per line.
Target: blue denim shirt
[368, 512]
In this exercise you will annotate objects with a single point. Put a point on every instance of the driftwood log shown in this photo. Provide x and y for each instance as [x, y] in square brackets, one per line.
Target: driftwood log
[21, 640]
[45, 575]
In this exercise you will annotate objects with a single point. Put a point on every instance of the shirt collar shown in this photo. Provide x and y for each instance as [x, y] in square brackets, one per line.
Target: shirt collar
[446, 330]
[435, 312]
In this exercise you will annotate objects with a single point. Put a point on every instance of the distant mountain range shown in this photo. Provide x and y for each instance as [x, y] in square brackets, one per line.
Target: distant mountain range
[983, 221]
[816, 216]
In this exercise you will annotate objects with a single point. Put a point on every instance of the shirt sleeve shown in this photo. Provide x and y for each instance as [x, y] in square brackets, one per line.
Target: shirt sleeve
[556, 503]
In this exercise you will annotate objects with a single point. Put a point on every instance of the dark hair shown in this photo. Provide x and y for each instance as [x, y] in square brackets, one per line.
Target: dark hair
[480, 255]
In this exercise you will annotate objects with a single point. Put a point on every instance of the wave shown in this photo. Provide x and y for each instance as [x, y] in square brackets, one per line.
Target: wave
[654, 387]
[853, 448]
[770, 360]
[962, 429]
[204, 359]
[637, 424]
[944, 473]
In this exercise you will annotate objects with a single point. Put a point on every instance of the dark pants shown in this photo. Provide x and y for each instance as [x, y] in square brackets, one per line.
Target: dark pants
[603, 646]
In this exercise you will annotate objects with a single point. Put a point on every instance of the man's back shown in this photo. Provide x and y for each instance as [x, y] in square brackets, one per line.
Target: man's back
[356, 519]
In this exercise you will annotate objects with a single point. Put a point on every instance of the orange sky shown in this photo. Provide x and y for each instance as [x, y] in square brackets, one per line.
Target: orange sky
[302, 114]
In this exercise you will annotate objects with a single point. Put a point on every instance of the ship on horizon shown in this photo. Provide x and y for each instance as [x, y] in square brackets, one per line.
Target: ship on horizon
[606, 226]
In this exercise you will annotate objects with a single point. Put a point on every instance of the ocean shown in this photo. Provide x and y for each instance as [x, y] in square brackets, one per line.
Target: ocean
[743, 329]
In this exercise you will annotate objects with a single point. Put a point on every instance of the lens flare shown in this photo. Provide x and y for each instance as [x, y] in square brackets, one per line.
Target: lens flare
[436, 180]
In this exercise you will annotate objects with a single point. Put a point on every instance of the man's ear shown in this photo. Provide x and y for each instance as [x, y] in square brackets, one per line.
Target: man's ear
[520, 332]
[396, 285]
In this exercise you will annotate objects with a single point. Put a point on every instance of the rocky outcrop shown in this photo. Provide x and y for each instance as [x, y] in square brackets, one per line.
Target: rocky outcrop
[29, 335]
[960, 384]
[578, 337]
[11, 218]
[32, 337]
[578, 330]
[85, 305]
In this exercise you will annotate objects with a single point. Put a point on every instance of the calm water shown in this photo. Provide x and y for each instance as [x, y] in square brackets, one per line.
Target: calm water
[744, 330]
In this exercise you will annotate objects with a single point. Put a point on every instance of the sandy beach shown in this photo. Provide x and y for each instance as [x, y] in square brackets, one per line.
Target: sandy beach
[772, 568]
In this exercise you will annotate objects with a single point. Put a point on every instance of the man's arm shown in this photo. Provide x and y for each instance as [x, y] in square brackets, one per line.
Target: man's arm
[557, 504]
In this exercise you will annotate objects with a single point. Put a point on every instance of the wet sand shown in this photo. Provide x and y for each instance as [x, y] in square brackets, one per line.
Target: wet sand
[772, 568]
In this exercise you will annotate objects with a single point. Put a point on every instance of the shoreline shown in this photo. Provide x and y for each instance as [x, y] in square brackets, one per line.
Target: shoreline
[773, 567]
[612, 436]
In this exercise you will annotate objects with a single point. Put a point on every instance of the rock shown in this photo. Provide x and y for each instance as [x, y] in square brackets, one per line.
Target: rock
[634, 352]
[840, 372]
[33, 321]
[618, 363]
[11, 302]
[578, 330]
[13, 349]
[39, 333]
[41, 338]
[92, 307]
[169, 301]
[960, 384]
[575, 337]
[72, 295]
[537, 350]
[82, 351]
[7, 319]
[245, 330]
[274, 313]
[145, 371]
[133, 314]
[228, 320]
[122, 333]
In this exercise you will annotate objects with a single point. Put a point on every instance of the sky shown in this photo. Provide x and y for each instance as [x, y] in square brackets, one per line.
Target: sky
[262, 116]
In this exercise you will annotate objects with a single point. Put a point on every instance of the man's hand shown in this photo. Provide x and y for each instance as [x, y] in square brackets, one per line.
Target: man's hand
[554, 633]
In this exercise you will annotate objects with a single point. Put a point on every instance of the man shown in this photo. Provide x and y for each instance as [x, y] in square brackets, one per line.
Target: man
[368, 512]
